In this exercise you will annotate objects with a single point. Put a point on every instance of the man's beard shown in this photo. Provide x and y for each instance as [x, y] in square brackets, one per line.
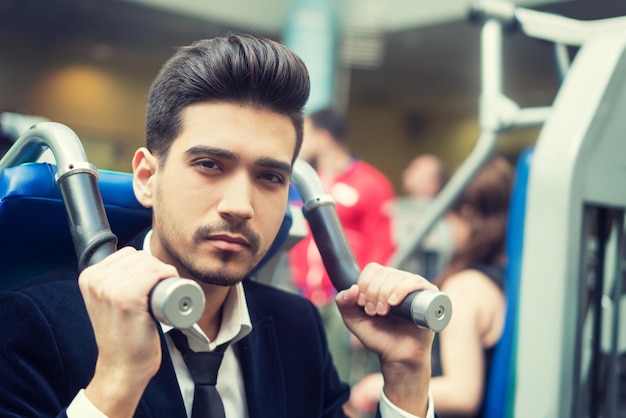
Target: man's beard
[221, 275]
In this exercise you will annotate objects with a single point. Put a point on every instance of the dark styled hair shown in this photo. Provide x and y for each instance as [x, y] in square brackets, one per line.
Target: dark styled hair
[486, 198]
[332, 122]
[234, 68]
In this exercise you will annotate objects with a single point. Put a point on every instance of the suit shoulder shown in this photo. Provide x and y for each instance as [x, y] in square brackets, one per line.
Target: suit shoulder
[263, 299]
[66, 276]
[273, 293]
[55, 294]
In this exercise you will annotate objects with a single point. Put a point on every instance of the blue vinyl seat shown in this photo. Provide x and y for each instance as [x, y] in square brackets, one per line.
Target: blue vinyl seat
[500, 390]
[34, 230]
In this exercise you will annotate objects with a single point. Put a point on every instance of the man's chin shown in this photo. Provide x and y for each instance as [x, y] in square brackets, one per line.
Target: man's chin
[220, 281]
[223, 276]
[225, 269]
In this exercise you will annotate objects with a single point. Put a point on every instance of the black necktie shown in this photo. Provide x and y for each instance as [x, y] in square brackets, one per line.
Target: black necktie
[203, 367]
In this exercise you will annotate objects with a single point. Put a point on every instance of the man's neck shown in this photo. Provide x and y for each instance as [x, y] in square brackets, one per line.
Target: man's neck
[211, 319]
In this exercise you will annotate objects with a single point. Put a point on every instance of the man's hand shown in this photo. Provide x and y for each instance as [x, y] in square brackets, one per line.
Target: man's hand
[116, 293]
[403, 348]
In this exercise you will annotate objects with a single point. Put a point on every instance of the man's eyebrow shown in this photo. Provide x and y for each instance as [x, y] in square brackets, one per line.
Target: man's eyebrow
[265, 162]
[268, 162]
[213, 151]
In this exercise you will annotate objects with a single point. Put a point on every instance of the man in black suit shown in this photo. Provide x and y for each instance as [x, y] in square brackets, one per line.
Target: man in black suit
[224, 126]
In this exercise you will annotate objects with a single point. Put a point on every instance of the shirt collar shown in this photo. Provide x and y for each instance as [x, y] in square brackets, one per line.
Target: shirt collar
[236, 322]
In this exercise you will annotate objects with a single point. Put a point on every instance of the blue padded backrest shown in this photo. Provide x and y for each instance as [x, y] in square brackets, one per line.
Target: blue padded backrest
[34, 231]
[501, 381]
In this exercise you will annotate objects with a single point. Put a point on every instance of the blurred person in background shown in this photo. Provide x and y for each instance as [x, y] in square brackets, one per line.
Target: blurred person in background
[422, 179]
[474, 280]
[363, 196]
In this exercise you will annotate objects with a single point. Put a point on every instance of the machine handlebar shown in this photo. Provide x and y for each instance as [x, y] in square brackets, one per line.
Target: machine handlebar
[426, 308]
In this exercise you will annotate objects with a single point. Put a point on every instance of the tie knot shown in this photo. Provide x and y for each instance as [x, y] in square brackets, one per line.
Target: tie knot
[203, 365]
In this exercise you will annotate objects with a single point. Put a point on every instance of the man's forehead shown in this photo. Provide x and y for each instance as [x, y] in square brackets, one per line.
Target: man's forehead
[240, 129]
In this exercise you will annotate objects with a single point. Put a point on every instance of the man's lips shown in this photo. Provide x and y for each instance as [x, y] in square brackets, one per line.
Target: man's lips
[227, 242]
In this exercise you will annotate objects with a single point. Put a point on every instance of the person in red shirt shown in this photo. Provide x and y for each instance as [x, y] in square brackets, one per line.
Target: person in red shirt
[363, 197]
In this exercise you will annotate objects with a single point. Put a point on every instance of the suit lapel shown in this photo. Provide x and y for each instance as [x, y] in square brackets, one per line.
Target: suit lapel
[262, 367]
[137, 240]
[162, 397]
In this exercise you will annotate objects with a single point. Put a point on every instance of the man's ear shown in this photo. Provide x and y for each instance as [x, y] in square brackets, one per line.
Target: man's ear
[145, 167]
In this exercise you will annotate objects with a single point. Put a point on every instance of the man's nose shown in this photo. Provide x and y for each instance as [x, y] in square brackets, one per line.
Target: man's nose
[236, 201]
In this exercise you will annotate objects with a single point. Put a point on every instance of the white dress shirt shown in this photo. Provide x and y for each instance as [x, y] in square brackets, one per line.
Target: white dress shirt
[235, 325]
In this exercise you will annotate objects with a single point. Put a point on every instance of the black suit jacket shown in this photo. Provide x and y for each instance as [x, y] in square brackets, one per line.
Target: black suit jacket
[48, 353]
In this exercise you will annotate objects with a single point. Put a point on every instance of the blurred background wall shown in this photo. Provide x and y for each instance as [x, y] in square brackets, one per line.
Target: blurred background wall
[407, 72]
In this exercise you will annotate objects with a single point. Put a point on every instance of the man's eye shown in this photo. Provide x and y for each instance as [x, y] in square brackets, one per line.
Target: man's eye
[273, 178]
[207, 164]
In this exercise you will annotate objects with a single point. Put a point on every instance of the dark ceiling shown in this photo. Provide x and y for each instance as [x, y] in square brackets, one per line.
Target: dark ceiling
[422, 67]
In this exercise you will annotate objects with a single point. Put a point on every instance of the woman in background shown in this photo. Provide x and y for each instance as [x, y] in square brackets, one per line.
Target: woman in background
[474, 280]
